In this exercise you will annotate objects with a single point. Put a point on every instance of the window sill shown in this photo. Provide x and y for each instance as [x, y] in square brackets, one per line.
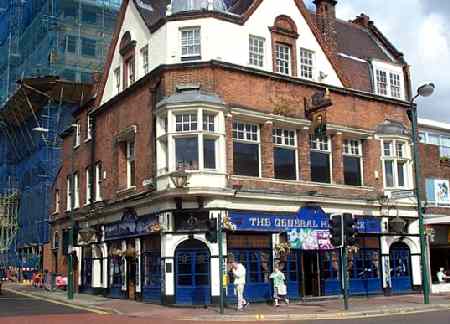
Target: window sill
[126, 190]
[191, 58]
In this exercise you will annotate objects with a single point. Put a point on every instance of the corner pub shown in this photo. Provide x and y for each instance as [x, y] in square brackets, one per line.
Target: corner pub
[184, 132]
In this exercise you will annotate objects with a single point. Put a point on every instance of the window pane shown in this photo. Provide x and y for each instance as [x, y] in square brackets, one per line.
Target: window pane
[430, 190]
[187, 153]
[352, 171]
[284, 163]
[401, 173]
[320, 167]
[246, 159]
[209, 153]
[389, 173]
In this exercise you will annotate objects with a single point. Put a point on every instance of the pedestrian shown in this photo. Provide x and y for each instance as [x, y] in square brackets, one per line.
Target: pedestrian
[239, 273]
[441, 276]
[279, 286]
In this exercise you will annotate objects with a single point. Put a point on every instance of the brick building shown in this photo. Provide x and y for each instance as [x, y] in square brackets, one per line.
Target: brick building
[435, 153]
[204, 111]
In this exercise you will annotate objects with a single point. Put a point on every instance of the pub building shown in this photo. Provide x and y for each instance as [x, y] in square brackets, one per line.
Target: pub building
[274, 129]
[167, 258]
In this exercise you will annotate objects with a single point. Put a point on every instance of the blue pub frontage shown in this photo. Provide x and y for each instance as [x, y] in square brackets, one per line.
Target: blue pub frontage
[165, 257]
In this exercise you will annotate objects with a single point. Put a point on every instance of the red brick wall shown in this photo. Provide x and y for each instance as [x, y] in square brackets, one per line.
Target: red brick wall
[238, 89]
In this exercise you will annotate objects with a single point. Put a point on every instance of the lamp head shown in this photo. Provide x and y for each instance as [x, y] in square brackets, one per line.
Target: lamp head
[426, 90]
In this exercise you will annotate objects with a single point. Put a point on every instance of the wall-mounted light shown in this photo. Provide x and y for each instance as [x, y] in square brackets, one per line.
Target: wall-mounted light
[179, 178]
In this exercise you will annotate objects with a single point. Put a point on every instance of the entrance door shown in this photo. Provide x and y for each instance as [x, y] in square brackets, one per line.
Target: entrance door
[291, 270]
[192, 274]
[311, 273]
[400, 262]
[131, 276]
[86, 273]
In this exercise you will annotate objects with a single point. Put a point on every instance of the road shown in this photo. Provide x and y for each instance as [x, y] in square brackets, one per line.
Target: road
[19, 309]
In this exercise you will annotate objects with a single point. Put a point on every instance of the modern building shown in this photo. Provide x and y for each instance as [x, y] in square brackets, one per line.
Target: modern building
[261, 114]
[435, 153]
[48, 50]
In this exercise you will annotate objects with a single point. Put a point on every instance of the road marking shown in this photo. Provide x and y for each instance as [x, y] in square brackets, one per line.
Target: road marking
[92, 310]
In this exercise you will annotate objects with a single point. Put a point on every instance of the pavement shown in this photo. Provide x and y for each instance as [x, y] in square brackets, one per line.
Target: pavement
[330, 309]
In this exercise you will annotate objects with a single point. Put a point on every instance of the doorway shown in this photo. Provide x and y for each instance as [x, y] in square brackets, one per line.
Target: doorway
[192, 273]
[311, 275]
[400, 263]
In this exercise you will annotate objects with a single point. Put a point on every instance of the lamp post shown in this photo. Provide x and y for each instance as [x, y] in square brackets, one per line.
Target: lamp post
[424, 91]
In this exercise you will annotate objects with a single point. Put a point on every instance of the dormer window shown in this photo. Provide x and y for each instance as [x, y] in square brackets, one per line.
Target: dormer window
[382, 82]
[190, 44]
[127, 51]
[388, 80]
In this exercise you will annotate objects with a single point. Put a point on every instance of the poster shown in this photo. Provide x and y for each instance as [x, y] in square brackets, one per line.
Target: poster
[441, 189]
[310, 239]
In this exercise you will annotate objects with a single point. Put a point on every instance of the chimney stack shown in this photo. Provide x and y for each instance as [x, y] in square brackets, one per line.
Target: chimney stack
[326, 21]
[362, 20]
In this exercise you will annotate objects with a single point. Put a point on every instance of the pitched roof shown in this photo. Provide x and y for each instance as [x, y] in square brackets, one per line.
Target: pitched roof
[151, 10]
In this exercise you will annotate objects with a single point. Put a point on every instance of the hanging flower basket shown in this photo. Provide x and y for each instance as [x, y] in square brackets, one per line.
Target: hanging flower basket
[282, 250]
[130, 252]
[228, 224]
[117, 252]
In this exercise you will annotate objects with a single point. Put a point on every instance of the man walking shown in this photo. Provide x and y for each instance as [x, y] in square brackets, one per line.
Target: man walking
[239, 273]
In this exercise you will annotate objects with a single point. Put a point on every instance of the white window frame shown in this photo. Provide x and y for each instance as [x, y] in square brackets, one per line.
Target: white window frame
[131, 67]
[394, 156]
[76, 180]
[77, 134]
[131, 158]
[306, 63]
[191, 48]
[441, 137]
[256, 50]
[395, 85]
[379, 80]
[98, 181]
[353, 148]
[69, 194]
[188, 118]
[117, 80]
[57, 201]
[145, 60]
[323, 146]
[282, 58]
[88, 128]
[250, 136]
[288, 139]
[88, 186]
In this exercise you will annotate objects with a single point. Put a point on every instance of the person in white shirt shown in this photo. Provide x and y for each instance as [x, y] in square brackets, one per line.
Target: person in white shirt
[239, 273]
[441, 276]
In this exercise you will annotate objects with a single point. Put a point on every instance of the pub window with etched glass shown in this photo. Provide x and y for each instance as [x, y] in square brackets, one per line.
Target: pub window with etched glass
[321, 159]
[397, 164]
[352, 162]
[246, 151]
[285, 153]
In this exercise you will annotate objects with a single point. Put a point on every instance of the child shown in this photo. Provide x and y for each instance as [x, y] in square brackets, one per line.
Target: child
[280, 289]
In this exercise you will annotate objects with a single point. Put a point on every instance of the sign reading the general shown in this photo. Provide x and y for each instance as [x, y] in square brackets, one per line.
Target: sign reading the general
[307, 230]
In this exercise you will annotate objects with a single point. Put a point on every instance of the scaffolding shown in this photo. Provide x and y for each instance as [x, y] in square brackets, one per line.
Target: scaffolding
[67, 38]
[49, 50]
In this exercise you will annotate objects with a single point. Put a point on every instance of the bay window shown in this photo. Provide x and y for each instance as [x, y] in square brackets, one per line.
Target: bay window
[396, 164]
[285, 154]
[321, 160]
[246, 149]
[195, 140]
[352, 162]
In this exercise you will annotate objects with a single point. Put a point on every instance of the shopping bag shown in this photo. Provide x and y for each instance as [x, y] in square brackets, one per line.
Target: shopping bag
[282, 290]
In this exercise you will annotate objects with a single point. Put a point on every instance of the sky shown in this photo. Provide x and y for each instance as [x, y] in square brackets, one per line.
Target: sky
[421, 30]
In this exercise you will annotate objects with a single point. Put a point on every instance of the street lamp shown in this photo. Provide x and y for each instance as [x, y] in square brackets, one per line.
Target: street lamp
[425, 90]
